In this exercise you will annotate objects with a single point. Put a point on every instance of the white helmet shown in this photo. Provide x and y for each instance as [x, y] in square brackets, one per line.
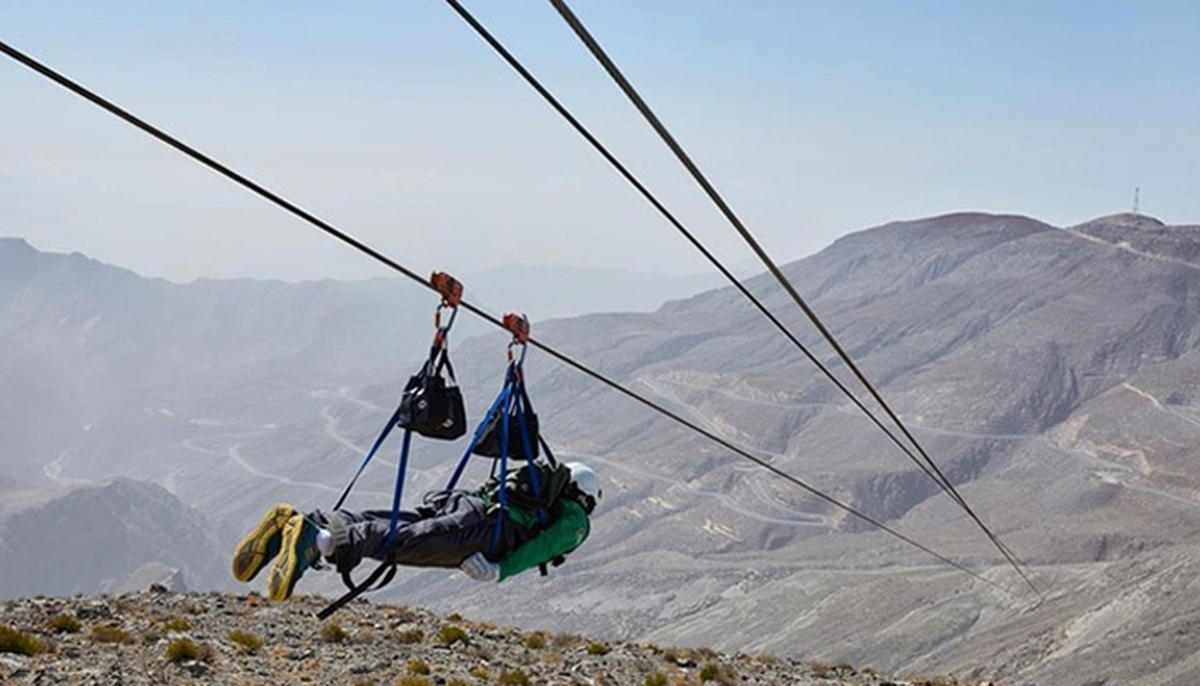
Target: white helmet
[586, 479]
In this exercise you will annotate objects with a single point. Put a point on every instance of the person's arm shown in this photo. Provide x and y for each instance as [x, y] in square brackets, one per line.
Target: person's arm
[562, 536]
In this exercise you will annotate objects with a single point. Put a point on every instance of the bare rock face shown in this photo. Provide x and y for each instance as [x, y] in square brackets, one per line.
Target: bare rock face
[152, 575]
[121, 535]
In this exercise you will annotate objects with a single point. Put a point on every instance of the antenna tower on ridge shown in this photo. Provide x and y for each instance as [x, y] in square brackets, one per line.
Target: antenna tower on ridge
[1136, 192]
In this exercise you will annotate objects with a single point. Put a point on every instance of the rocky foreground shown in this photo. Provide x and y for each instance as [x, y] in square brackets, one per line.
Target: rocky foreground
[158, 637]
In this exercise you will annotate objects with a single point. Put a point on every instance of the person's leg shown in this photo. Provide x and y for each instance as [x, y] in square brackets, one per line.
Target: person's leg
[460, 526]
[354, 535]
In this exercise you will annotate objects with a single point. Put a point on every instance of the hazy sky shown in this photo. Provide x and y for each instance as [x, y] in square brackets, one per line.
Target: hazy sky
[395, 122]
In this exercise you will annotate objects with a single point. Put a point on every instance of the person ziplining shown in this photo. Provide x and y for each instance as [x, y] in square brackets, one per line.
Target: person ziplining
[266, 547]
[529, 516]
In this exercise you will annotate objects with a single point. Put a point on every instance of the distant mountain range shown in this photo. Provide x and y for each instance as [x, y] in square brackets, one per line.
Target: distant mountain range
[543, 292]
[121, 536]
[1049, 371]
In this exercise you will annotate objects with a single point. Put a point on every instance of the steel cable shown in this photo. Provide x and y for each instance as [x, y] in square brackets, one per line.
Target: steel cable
[328, 228]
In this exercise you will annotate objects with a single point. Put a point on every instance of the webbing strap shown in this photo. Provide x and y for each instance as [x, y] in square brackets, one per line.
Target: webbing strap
[438, 359]
[370, 454]
[523, 411]
[386, 566]
[501, 399]
[501, 499]
[358, 589]
[401, 470]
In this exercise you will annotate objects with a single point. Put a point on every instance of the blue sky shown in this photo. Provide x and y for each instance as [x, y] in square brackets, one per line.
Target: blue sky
[393, 121]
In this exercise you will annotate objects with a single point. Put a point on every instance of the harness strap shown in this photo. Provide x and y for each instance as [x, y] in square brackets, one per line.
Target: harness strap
[557, 562]
[401, 470]
[501, 499]
[385, 569]
[439, 358]
[370, 454]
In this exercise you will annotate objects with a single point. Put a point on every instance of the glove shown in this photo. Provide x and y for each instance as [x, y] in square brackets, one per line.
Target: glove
[480, 568]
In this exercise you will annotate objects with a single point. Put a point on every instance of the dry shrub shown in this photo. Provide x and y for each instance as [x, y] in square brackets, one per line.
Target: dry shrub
[334, 633]
[513, 677]
[410, 636]
[183, 650]
[13, 640]
[451, 634]
[246, 641]
[63, 624]
[110, 633]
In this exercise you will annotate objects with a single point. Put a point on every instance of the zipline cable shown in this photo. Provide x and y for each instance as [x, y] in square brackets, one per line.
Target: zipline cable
[674, 221]
[328, 228]
[929, 467]
[630, 92]
[627, 88]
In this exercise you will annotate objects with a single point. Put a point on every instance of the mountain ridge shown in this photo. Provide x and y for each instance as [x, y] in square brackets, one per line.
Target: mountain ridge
[1048, 370]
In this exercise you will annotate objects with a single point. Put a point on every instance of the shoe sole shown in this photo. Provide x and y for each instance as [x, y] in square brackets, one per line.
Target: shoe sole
[291, 562]
[254, 551]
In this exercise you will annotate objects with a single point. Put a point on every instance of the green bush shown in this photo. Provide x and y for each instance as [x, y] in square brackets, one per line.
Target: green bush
[418, 667]
[109, 633]
[598, 649]
[410, 636]
[248, 641]
[413, 681]
[655, 679]
[451, 634]
[183, 650]
[717, 673]
[178, 625]
[16, 641]
[63, 624]
[535, 640]
[334, 633]
[513, 677]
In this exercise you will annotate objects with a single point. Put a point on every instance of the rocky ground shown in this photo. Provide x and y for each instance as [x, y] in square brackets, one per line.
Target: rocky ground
[159, 637]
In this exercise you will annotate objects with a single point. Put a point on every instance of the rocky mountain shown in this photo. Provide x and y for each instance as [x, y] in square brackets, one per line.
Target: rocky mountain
[1049, 371]
[120, 536]
[159, 637]
[542, 292]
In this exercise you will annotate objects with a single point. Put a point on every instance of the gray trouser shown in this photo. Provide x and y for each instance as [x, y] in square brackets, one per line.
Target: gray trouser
[443, 532]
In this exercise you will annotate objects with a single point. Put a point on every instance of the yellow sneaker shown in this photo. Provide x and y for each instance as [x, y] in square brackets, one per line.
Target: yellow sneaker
[262, 544]
[299, 552]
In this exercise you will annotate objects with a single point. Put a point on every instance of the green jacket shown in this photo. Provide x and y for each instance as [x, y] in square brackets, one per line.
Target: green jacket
[563, 535]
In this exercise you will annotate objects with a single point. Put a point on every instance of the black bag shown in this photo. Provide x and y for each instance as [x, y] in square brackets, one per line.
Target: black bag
[430, 406]
[489, 442]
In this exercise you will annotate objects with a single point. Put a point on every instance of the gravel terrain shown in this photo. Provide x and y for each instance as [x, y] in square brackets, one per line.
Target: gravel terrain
[158, 637]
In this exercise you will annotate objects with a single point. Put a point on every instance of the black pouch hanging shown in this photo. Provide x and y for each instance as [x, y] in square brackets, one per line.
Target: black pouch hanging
[489, 443]
[430, 406]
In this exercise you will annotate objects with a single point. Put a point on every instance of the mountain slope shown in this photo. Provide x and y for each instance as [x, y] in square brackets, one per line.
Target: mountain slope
[123, 535]
[158, 637]
[1048, 371]
[1049, 374]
